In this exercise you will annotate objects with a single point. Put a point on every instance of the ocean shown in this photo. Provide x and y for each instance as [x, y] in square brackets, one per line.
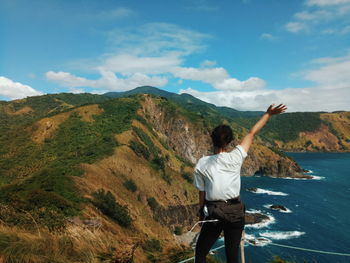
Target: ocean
[318, 215]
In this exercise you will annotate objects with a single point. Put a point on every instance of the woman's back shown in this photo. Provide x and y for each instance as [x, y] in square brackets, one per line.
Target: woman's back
[219, 174]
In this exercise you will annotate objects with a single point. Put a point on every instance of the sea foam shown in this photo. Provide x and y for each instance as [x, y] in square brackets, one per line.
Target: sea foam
[268, 192]
[280, 235]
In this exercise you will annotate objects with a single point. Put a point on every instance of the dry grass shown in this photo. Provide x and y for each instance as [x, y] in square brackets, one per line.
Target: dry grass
[46, 127]
[9, 110]
[75, 245]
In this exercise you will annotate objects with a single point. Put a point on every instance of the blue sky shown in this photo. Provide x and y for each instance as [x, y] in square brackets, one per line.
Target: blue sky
[244, 54]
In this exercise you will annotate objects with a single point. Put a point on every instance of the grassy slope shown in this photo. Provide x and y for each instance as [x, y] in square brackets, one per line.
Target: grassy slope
[36, 177]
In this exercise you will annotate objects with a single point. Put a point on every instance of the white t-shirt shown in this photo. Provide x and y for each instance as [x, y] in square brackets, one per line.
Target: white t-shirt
[219, 174]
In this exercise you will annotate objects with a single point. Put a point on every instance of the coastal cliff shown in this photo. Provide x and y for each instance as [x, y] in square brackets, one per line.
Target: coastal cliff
[114, 170]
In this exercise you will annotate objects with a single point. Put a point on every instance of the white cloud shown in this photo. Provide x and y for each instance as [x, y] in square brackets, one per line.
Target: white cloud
[326, 2]
[107, 15]
[307, 99]
[334, 72]
[16, 90]
[268, 36]
[331, 91]
[67, 80]
[218, 78]
[148, 55]
[128, 64]
[108, 81]
[318, 13]
[76, 91]
[207, 63]
[207, 75]
[295, 27]
[232, 84]
[117, 13]
[155, 39]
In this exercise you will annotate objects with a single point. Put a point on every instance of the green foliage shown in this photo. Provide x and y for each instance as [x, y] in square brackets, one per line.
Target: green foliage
[130, 185]
[147, 141]
[158, 163]
[30, 172]
[152, 202]
[140, 149]
[153, 250]
[178, 230]
[151, 152]
[286, 127]
[106, 202]
[185, 161]
[152, 245]
[187, 176]
[48, 197]
[178, 254]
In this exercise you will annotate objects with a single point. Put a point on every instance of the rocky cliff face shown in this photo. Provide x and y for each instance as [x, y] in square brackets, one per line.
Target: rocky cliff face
[192, 141]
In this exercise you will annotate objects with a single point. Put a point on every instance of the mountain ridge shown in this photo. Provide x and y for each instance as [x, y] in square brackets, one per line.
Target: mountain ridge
[116, 165]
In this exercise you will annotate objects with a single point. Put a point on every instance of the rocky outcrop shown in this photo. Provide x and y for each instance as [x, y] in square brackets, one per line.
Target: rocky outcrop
[278, 207]
[186, 139]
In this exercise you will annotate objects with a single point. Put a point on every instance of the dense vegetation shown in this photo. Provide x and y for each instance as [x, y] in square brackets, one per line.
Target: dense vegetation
[286, 127]
[106, 202]
[150, 152]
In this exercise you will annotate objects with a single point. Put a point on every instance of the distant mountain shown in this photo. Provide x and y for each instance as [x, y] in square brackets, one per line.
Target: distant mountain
[187, 101]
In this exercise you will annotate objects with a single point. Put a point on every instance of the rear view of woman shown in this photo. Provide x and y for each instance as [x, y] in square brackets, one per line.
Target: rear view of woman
[217, 177]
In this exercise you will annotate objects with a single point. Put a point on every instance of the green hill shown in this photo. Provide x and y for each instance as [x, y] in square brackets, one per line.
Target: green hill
[71, 163]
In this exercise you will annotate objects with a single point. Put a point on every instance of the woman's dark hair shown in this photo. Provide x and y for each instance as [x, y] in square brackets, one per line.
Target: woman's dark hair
[221, 135]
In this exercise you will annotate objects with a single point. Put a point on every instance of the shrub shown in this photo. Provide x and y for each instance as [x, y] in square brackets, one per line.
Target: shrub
[140, 149]
[130, 185]
[147, 140]
[177, 254]
[152, 202]
[178, 230]
[188, 177]
[106, 202]
[152, 245]
[158, 163]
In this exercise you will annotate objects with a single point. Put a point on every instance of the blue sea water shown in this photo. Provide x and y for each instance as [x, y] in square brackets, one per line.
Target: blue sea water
[319, 215]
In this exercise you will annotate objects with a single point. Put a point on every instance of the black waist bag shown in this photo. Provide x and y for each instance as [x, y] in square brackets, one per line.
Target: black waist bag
[226, 211]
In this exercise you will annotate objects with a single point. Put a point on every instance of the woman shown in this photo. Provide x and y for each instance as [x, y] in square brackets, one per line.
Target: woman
[217, 178]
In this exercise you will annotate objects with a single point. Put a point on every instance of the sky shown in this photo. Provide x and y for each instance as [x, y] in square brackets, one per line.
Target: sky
[244, 54]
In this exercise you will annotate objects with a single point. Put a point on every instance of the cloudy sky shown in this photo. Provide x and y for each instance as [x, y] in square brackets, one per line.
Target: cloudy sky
[245, 54]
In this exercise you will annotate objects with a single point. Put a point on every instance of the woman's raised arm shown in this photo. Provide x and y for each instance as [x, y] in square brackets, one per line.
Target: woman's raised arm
[248, 139]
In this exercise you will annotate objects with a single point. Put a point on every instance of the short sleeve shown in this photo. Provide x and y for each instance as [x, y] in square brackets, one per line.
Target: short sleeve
[198, 180]
[237, 155]
[242, 151]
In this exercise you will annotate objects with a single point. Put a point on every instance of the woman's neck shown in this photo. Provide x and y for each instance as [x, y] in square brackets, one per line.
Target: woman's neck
[219, 150]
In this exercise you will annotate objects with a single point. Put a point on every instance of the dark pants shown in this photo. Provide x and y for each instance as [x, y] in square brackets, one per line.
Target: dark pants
[210, 233]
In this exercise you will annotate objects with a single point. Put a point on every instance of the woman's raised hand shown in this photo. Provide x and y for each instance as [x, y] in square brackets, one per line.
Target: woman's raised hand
[276, 110]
